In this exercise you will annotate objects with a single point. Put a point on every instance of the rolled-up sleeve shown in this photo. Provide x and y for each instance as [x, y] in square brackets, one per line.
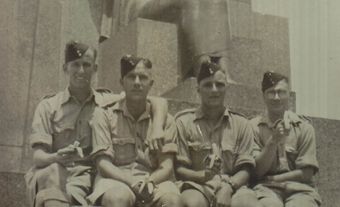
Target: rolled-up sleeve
[182, 157]
[307, 148]
[245, 145]
[42, 126]
[170, 145]
[101, 134]
[257, 145]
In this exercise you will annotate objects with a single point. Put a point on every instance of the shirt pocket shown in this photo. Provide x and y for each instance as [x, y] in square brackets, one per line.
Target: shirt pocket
[84, 136]
[198, 152]
[125, 151]
[229, 157]
[292, 155]
[64, 134]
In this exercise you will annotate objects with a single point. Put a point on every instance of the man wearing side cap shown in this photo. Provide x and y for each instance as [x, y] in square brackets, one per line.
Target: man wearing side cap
[285, 150]
[129, 172]
[215, 148]
[61, 135]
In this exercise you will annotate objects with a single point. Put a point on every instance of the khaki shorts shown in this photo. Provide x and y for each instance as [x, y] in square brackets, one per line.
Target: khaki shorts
[209, 190]
[102, 185]
[77, 179]
[292, 191]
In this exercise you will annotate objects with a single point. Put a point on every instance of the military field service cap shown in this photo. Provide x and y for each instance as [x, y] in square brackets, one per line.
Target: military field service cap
[271, 78]
[75, 50]
[208, 69]
[129, 62]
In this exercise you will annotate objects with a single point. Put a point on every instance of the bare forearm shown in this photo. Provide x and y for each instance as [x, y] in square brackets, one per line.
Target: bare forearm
[265, 158]
[42, 158]
[160, 175]
[241, 177]
[299, 175]
[109, 170]
[164, 171]
[159, 111]
[192, 175]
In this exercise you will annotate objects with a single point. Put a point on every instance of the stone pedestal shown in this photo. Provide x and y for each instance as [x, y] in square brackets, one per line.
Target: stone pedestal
[146, 38]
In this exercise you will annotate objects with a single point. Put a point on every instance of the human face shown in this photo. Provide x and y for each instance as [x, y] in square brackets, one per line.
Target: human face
[81, 70]
[212, 90]
[137, 83]
[277, 97]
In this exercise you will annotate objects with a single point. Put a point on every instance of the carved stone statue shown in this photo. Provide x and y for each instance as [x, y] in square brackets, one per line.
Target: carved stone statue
[203, 23]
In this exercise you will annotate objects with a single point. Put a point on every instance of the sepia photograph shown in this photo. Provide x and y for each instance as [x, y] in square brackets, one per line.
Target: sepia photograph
[170, 103]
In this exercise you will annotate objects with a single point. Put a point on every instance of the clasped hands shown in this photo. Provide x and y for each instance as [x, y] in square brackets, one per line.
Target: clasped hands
[144, 190]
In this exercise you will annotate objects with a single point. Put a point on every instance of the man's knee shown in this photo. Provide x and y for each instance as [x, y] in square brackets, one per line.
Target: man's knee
[54, 175]
[271, 202]
[115, 197]
[245, 197]
[170, 200]
[193, 198]
[49, 195]
[301, 200]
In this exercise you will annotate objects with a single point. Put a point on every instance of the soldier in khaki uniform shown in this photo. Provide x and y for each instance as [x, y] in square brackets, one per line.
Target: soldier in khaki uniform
[61, 135]
[285, 150]
[215, 148]
[129, 172]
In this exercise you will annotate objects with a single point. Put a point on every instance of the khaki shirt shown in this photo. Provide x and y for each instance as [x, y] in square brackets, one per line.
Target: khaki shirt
[60, 120]
[232, 134]
[118, 135]
[298, 151]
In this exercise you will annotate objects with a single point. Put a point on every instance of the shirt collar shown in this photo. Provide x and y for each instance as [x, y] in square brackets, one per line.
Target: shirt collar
[67, 96]
[121, 106]
[200, 114]
[264, 120]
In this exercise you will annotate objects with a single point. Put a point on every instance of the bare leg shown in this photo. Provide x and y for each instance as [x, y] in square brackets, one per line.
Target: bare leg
[193, 198]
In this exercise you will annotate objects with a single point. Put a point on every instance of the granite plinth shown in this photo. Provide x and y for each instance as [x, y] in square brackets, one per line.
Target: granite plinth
[328, 144]
[16, 31]
[146, 38]
[12, 189]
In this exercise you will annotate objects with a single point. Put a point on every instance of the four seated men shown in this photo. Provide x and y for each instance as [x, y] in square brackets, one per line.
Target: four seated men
[91, 147]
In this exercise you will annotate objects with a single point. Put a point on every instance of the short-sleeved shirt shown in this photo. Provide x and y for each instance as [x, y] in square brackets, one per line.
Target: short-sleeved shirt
[118, 135]
[298, 150]
[60, 120]
[232, 135]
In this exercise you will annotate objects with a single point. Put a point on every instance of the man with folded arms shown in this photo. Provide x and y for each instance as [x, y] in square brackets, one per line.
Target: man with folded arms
[285, 150]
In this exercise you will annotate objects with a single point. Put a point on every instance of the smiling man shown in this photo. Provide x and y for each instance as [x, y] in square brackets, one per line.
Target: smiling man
[130, 173]
[61, 136]
[215, 148]
[285, 150]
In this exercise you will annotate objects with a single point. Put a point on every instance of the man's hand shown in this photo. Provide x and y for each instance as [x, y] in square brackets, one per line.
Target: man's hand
[213, 163]
[223, 196]
[279, 132]
[290, 117]
[143, 191]
[156, 139]
[69, 154]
